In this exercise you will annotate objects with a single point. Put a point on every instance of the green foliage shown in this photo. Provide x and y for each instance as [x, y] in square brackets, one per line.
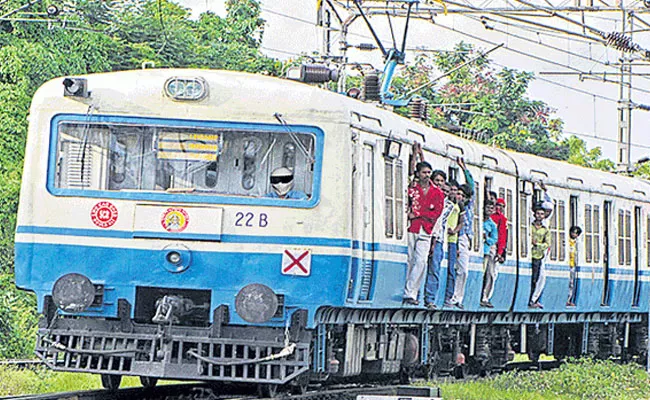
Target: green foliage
[490, 104]
[17, 320]
[580, 155]
[577, 379]
[643, 171]
[100, 39]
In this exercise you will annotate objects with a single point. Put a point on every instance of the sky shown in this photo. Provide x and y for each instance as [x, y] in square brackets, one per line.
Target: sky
[588, 107]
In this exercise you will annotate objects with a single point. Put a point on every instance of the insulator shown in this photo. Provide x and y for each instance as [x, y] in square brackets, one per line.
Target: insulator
[418, 109]
[371, 87]
[621, 42]
[316, 73]
[366, 46]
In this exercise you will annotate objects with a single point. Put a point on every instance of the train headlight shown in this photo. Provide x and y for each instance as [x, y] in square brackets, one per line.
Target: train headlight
[191, 89]
[256, 303]
[73, 293]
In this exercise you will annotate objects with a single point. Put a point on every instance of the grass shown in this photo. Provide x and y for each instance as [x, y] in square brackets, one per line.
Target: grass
[39, 380]
[578, 379]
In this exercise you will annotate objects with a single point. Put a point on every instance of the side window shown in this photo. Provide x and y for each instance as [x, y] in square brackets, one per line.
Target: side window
[647, 236]
[452, 173]
[558, 232]
[621, 237]
[596, 230]
[588, 234]
[477, 215]
[561, 230]
[394, 198]
[510, 215]
[523, 226]
[624, 237]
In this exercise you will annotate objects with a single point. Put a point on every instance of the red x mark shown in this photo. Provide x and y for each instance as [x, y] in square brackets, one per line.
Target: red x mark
[295, 262]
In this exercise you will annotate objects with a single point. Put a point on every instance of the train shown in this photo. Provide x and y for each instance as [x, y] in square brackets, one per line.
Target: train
[149, 230]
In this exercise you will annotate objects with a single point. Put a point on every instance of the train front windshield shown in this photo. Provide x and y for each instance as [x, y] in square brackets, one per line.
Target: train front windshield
[206, 160]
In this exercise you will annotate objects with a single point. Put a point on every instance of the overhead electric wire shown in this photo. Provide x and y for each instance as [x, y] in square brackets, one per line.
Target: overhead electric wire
[558, 49]
[604, 139]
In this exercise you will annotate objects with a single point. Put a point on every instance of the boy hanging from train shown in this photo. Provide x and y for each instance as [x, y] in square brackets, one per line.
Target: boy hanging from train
[547, 205]
[425, 203]
[541, 241]
[437, 251]
[574, 232]
[454, 224]
[465, 234]
[490, 237]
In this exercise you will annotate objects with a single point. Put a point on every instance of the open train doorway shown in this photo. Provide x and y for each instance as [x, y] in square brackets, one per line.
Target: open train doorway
[607, 217]
[637, 255]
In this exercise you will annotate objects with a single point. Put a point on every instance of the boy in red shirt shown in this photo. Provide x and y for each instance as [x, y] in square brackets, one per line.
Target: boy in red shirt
[425, 206]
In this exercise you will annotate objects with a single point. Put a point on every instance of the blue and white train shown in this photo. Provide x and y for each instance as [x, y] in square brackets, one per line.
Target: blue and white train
[147, 232]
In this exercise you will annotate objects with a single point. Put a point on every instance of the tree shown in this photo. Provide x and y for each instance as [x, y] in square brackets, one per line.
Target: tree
[580, 155]
[99, 36]
[488, 105]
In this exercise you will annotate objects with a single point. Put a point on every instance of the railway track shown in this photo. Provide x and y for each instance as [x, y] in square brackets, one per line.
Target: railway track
[211, 392]
[207, 391]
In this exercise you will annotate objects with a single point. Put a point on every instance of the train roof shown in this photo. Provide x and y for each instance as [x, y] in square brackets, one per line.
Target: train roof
[135, 89]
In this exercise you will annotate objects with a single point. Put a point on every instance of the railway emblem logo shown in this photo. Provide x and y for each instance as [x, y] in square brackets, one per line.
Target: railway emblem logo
[296, 262]
[175, 220]
[104, 214]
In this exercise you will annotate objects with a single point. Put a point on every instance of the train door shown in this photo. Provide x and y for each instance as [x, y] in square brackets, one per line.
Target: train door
[607, 232]
[637, 254]
[368, 234]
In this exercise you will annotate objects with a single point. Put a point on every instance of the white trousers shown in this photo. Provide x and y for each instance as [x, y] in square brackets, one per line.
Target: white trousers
[541, 282]
[418, 253]
[462, 268]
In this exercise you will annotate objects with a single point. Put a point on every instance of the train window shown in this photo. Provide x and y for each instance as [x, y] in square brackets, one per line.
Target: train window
[647, 236]
[510, 215]
[628, 238]
[554, 227]
[596, 230]
[624, 237]
[523, 226]
[558, 232]
[399, 199]
[389, 197]
[477, 225]
[394, 197]
[592, 233]
[452, 173]
[561, 230]
[200, 160]
[588, 234]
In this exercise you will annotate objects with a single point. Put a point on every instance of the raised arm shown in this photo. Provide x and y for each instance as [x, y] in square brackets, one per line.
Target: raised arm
[468, 175]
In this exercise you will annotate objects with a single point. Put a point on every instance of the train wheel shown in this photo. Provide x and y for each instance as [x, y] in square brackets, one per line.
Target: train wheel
[111, 382]
[148, 381]
[267, 390]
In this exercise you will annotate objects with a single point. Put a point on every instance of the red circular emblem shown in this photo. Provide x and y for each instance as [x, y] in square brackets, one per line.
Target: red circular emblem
[175, 220]
[104, 214]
